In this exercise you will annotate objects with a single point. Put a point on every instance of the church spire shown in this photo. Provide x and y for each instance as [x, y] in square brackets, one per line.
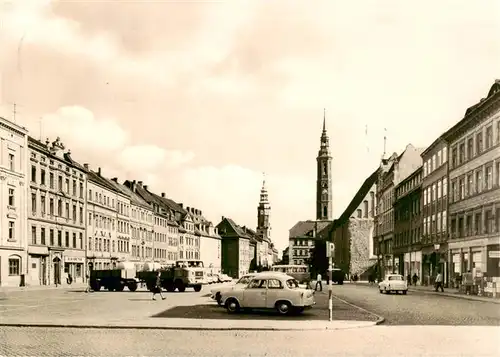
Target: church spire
[324, 177]
[324, 120]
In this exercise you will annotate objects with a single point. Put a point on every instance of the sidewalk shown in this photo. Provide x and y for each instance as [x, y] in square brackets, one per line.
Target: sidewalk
[447, 292]
[9, 289]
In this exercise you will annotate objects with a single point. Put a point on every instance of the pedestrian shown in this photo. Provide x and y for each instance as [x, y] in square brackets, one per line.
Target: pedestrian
[415, 279]
[408, 279]
[157, 287]
[318, 282]
[439, 282]
[87, 277]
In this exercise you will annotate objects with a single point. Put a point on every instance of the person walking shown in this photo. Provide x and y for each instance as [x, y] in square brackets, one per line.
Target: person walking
[157, 287]
[439, 282]
[87, 279]
[318, 282]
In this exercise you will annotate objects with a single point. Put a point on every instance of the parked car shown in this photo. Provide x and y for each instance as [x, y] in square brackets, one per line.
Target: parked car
[268, 291]
[216, 292]
[393, 282]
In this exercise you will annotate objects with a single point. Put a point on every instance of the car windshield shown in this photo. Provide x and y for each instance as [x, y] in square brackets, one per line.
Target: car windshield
[395, 277]
[292, 283]
[244, 280]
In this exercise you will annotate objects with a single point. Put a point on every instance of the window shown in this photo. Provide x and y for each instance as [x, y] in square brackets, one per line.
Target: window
[479, 181]
[90, 219]
[90, 195]
[33, 235]
[461, 184]
[470, 148]
[439, 159]
[12, 162]
[433, 224]
[439, 189]
[59, 238]
[434, 166]
[12, 231]
[477, 224]
[425, 168]
[498, 134]
[42, 236]
[66, 186]
[257, 284]
[42, 204]
[454, 192]
[358, 212]
[444, 221]
[445, 154]
[74, 187]
[51, 237]
[498, 173]
[454, 157]
[60, 183]
[66, 239]
[51, 206]
[33, 173]
[59, 208]
[81, 215]
[51, 180]
[33, 203]
[468, 225]
[12, 201]
[470, 184]
[489, 137]
[74, 213]
[425, 197]
[274, 284]
[81, 241]
[14, 266]
[74, 240]
[479, 143]
[433, 195]
[489, 178]
[461, 153]
[439, 222]
[81, 190]
[488, 221]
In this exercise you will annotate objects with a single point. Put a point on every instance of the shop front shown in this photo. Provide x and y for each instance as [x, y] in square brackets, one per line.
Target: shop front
[55, 267]
[434, 261]
[74, 267]
[38, 258]
[493, 261]
[413, 265]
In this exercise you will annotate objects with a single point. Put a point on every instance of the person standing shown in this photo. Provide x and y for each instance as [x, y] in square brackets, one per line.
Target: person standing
[318, 282]
[157, 287]
[439, 282]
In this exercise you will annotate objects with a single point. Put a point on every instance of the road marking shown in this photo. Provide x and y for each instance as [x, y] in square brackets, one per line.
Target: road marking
[381, 319]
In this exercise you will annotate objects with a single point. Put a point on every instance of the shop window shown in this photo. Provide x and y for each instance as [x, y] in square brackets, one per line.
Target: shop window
[14, 265]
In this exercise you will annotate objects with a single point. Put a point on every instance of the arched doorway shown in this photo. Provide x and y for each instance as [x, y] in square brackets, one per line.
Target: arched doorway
[56, 263]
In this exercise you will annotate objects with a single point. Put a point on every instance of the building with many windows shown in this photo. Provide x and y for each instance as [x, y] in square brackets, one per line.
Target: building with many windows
[474, 196]
[236, 248]
[407, 243]
[105, 247]
[13, 190]
[433, 257]
[56, 214]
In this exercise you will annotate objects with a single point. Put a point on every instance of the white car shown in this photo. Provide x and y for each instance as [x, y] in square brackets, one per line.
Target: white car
[269, 291]
[216, 292]
[393, 282]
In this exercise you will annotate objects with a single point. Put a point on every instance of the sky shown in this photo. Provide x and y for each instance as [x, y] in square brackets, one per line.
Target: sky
[198, 99]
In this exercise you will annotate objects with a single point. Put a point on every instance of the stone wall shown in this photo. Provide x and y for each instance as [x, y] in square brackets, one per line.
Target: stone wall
[360, 232]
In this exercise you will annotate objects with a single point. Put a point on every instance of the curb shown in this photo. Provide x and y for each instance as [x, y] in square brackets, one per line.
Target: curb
[455, 296]
[186, 328]
[380, 319]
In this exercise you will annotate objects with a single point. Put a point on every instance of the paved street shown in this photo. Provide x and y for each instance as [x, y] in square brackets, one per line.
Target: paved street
[420, 308]
[373, 341]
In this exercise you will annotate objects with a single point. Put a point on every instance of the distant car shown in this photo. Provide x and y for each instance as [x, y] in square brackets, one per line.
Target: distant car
[269, 291]
[393, 282]
[338, 276]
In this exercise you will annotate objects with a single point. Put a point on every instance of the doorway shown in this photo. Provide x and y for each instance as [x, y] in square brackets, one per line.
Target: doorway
[57, 270]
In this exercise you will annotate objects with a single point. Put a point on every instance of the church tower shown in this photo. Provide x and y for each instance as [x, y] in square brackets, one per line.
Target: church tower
[263, 213]
[324, 178]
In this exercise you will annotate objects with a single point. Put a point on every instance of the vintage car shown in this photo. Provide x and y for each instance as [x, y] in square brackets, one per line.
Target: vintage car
[393, 282]
[268, 291]
[216, 292]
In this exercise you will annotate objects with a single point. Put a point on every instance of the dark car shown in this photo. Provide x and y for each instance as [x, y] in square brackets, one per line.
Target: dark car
[338, 276]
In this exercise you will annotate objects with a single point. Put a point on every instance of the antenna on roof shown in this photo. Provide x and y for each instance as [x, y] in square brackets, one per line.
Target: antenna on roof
[385, 142]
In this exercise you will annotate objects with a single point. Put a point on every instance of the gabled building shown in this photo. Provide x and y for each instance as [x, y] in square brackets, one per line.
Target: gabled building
[13, 185]
[56, 214]
[302, 239]
[106, 245]
[236, 252]
[352, 233]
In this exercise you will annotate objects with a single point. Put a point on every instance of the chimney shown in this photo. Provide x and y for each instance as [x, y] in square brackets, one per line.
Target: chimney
[115, 179]
[99, 171]
[163, 194]
[139, 183]
[146, 187]
[86, 166]
[182, 205]
[223, 218]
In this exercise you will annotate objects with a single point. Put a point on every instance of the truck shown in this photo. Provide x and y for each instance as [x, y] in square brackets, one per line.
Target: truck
[184, 274]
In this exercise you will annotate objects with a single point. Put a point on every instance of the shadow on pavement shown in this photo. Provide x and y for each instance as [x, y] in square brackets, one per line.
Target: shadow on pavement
[341, 311]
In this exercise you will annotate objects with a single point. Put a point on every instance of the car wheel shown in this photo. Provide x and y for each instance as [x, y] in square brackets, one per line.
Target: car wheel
[283, 307]
[232, 306]
[381, 291]
[404, 292]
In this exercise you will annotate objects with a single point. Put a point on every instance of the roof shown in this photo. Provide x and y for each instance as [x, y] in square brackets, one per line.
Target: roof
[306, 228]
[134, 198]
[493, 94]
[432, 146]
[96, 178]
[358, 198]
[33, 143]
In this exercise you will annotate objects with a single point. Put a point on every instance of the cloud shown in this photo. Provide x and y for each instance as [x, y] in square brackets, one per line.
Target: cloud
[152, 158]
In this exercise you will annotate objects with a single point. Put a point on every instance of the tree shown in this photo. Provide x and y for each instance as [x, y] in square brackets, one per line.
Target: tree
[318, 262]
